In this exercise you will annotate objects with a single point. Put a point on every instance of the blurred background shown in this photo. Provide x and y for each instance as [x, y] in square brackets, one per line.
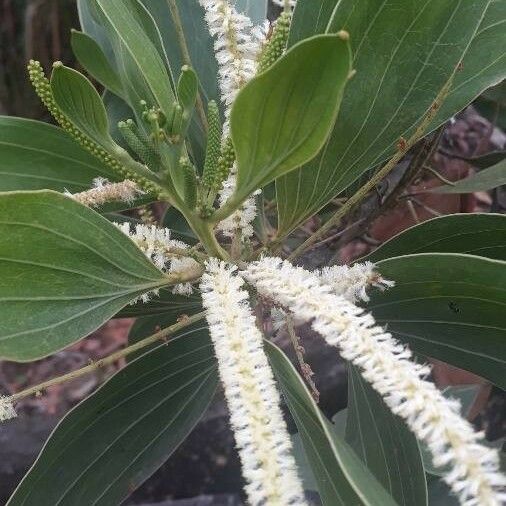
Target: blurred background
[206, 463]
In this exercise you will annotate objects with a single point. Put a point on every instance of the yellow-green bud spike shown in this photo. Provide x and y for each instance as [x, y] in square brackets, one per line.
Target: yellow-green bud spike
[225, 163]
[190, 183]
[213, 148]
[42, 87]
[276, 46]
[142, 147]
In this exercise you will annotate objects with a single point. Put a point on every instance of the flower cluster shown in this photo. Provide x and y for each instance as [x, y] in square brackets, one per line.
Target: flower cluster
[167, 254]
[241, 220]
[253, 400]
[352, 282]
[103, 191]
[386, 365]
[7, 410]
[237, 45]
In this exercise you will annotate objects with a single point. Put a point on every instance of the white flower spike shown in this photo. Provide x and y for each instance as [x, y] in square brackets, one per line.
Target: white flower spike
[385, 363]
[236, 46]
[253, 400]
[352, 282]
[167, 254]
[241, 221]
[7, 410]
[103, 191]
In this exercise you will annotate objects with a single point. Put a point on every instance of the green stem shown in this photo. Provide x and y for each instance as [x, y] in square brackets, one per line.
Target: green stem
[204, 231]
[162, 334]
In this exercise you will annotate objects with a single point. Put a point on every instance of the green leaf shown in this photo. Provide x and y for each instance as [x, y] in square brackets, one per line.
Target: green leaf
[384, 443]
[90, 55]
[199, 45]
[187, 90]
[440, 494]
[116, 438]
[180, 229]
[492, 104]
[485, 180]
[342, 478]
[145, 326]
[36, 156]
[474, 233]
[404, 52]
[80, 102]
[130, 29]
[166, 304]
[441, 302]
[282, 117]
[484, 161]
[64, 271]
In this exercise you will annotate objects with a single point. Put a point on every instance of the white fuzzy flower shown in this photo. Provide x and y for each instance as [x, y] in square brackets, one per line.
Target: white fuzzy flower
[7, 410]
[236, 45]
[103, 191]
[352, 282]
[253, 399]
[167, 254]
[241, 220]
[386, 365]
[285, 3]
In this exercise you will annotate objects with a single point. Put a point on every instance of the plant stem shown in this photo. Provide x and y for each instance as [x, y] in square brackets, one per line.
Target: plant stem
[174, 11]
[204, 231]
[402, 148]
[160, 335]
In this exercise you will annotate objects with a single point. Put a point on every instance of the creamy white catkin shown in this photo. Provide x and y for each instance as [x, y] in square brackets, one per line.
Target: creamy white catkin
[252, 397]
[386, 364]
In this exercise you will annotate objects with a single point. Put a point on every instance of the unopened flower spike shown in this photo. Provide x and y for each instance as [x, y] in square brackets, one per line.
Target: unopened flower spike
[7, 410]
[103, 191]
[276, 45]
[190, 183]
[169, 255]
[139, 143]
[253, 400]
[42, 87]
[472, 468]
[211, 177]
[352, 282]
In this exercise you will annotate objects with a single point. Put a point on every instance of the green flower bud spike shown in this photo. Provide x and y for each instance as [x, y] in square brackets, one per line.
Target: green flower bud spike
[139, 144]
[190, 183]
[43, 89]
[226, 161]
[210, 173]
[276, 46]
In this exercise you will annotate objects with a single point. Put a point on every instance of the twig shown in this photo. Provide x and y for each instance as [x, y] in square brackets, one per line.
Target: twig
[305, 368]
[158, 336]
[438, 175]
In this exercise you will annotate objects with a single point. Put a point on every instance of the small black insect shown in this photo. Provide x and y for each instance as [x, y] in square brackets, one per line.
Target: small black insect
[454, 307]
